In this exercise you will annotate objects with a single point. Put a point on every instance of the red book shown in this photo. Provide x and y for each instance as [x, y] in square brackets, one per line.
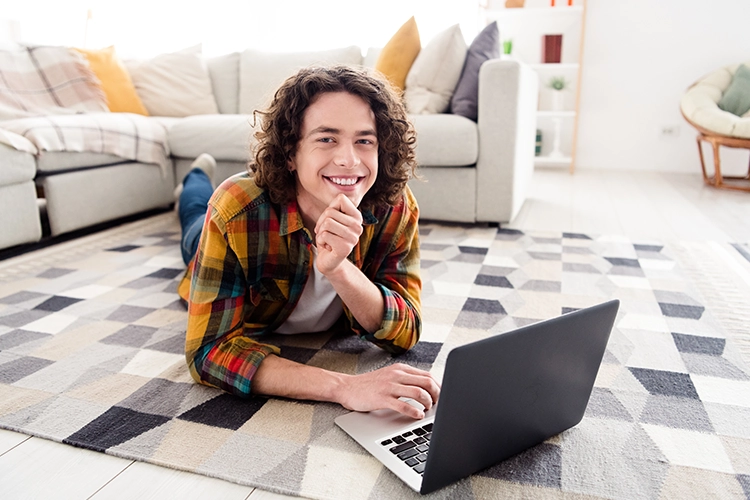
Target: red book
[552, 48]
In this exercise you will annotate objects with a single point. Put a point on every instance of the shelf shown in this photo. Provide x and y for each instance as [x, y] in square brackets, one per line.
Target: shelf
[535, 12]
[556, 114]
[554, 66]
[526, 27]
[546, 160]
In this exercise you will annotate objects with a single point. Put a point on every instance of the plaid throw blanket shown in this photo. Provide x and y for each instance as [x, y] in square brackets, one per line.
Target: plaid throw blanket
[126, 135]
[49, 96]
[38, 81]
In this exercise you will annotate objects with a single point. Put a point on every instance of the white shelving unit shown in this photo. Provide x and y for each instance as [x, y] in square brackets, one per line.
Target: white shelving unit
[526, 27]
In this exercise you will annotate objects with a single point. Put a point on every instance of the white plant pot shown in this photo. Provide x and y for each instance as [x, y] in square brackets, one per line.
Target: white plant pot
[558, 100]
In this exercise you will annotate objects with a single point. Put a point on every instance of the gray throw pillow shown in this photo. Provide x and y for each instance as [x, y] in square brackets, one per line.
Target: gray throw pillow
[485, 46]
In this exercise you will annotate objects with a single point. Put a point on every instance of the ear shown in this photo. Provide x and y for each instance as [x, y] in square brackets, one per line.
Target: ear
[290, 165]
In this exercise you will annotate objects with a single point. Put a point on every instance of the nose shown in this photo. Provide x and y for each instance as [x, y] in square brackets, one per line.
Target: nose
[346, 156]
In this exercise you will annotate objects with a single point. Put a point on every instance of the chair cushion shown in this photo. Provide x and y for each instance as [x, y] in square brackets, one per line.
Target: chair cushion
[699, 105]
[225, 137]
[445, 140]
[736, 98]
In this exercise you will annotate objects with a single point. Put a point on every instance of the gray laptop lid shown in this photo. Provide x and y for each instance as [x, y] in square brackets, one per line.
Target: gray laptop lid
[509, 392]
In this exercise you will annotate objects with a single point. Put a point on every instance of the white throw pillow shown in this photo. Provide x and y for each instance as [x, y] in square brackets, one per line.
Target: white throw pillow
[261, 73]
[435, 73]
[225, 81]
[371, 57]
[176, 84]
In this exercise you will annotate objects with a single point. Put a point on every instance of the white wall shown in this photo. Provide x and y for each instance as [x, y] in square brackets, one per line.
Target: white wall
[144, 28]
[639, 57]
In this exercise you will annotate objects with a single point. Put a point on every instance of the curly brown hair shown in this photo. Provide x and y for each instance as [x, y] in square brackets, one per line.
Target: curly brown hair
[281, 127]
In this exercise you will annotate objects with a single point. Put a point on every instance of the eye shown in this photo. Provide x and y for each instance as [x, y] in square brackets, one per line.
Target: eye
[326, 140]
[365, 141]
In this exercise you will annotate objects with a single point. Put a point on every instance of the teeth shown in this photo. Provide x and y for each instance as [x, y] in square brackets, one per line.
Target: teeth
[343, 182]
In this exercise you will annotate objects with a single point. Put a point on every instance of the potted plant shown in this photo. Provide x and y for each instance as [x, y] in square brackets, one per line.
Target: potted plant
[558, 84]
[507, 48]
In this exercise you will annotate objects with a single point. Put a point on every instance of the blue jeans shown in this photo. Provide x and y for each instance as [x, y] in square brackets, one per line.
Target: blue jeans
[196, 192]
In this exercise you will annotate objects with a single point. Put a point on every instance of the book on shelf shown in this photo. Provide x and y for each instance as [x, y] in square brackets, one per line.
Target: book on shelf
[552, 48]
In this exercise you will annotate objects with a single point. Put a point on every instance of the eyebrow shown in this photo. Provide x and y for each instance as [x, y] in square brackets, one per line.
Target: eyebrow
[331, 130]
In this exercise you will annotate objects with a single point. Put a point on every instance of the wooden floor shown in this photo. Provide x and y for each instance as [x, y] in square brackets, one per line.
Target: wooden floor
[639, 205]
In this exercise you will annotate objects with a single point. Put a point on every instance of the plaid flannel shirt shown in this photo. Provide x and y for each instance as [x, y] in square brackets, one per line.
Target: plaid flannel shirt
[250, 270]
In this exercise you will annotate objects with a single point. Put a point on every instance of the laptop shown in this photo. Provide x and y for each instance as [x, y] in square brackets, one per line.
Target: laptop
[499, 396]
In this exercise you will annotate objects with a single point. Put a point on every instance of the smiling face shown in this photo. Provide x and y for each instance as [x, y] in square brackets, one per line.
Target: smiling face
[337, 153]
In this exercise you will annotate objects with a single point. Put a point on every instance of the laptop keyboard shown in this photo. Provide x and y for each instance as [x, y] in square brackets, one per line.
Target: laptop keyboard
[411, 447]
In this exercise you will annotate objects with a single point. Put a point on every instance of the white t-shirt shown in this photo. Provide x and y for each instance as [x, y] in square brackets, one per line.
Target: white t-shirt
[318, 308]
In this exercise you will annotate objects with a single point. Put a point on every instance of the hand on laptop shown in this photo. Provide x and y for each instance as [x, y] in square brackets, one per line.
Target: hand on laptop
[382, 389]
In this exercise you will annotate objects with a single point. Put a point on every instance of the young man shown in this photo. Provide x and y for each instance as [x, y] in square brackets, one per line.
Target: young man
[322, 235]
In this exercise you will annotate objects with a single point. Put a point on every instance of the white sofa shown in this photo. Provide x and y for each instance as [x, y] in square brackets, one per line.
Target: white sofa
[19, 215]
[471, 171]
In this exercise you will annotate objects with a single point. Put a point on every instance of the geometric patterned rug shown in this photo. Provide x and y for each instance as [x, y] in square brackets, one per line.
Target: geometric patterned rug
[91, 354]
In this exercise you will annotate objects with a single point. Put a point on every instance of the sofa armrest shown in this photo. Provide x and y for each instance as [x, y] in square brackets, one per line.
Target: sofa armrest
[508, 95]
[17, 142]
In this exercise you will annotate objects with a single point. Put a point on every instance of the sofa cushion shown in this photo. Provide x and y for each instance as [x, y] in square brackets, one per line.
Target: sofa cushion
[485, 46]
[122, 135]
[261, 73]
[225, 137]
[53, 162]
[115, 81]
[225, 81]
[445, 140]
[397, 56]
[435, 73]
[176, 84]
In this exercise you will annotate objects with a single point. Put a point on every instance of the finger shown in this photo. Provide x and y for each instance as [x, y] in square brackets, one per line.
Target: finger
[344, 204]
[423, 380]
[353, 223]
[346, 212]
[406, 409]
[418, 394]
[338, 245]
[334, 232]
[334, 224]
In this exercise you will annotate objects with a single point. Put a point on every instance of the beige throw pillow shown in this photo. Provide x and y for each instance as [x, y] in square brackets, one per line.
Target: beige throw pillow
[261, 73]
[435, 73]
[176, 84]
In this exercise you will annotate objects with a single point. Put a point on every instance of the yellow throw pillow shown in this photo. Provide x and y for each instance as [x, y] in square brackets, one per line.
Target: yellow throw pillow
[396, 58]
[115, 79]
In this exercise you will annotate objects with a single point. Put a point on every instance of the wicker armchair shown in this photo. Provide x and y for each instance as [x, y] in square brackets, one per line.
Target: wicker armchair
[699, 106]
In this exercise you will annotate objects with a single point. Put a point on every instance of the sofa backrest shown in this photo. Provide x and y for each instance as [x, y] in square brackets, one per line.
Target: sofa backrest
[225, 80]
[244, 81]
[261, 73]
